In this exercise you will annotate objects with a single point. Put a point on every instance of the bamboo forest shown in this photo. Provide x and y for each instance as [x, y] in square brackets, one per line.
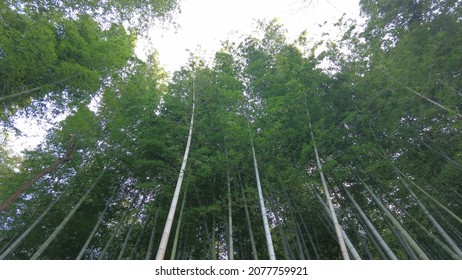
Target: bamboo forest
[279, 149]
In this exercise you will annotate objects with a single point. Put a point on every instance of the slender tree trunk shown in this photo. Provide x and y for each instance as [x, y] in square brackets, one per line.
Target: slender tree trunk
[444, 155]
[298, 239]
[17, 94]
[130, 229]
[171, 213]
[438, 227]
[376, 245]
[418, 250]
[338, 228]
[435, 239]
[348, 243]
[269, 241]
[249, 223]
[419, 94]
[116, 230]
[230, 220]
[93, 232]
[417, 186]
[213, 249]
[31, 227]
[151, 240]
[371, 227]
[287, 252]
[315, 249]
[138, 240]
[66, 219]
[178, 227]
[67, 157]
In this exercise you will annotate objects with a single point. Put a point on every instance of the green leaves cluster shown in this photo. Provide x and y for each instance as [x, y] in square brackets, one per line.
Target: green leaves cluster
[386, 119]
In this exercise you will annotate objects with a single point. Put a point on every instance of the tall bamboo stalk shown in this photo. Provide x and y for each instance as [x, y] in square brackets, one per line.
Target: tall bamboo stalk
[417, 249]
[230, 219]
[18, 241]
[58, 229]
[171, 213]
[151, 239]
[338, 228]
[130, 229]
[371, 227]
[115, 231]
[93, 232]
[249, 223]
[269, 240]
[178, 227]
[348, 243]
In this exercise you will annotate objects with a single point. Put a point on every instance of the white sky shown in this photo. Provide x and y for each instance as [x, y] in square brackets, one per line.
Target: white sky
[205, 23]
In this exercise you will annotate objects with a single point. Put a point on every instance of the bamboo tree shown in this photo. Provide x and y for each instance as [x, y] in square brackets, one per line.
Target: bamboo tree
[114, 233]
[58, 229]
[18, 241]
[213, 249]
[315, 249]
[269, 241]
[419, 94]
[427, 213]
[435, 239]
[171, 213]
[151, 239]
[338, 229]
[24, 92]
[230, 220]
[402, 231]
[348, 243]
[130, 229]
[401, 174]
[93, 232]
[249, 223]
[443, 155]
[178, 227]
[285, 244]
[422, 190]
[138, 240]
[371, 227]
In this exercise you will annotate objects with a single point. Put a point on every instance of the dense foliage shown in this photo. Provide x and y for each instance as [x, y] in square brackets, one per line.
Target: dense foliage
[275, 132]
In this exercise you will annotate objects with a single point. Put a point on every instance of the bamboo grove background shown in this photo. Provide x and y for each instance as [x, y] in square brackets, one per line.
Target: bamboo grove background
[337, 149]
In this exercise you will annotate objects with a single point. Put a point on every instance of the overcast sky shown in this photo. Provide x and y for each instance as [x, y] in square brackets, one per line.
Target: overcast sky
[206, 23]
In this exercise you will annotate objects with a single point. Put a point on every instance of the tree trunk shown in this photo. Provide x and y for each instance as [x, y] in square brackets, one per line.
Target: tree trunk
[31, 227]
[249, 224]
[230, 220]
[171, 213]
[438, 227]
[315, 249]
[93, 232]
[178, 227]
[370, 226]
[66, 219]
[213, 248]
[116, 230]
[417, 249]
[130, 229]
[151, 240]
[347, 240]
[269, 241]
[10, 200]
[13, 95]
[338, 229]
[138, 240]
[435, 239]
